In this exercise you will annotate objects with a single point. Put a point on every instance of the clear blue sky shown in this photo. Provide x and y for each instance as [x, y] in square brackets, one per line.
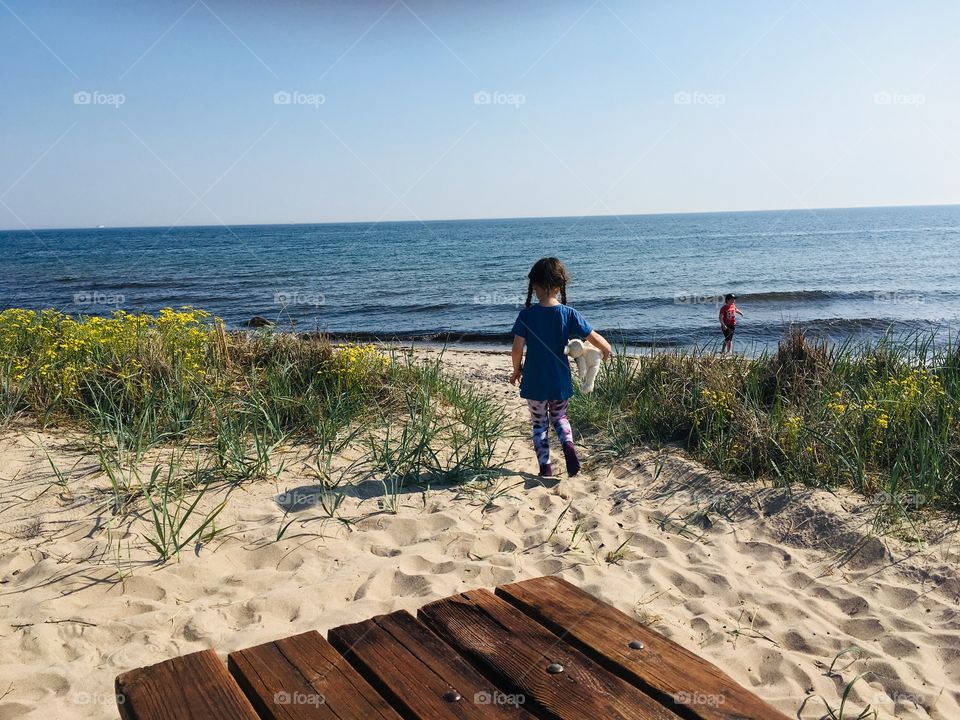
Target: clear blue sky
[627, 107]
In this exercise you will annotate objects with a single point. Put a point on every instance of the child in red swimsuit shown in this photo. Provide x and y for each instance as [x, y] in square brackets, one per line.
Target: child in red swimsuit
[728, 321]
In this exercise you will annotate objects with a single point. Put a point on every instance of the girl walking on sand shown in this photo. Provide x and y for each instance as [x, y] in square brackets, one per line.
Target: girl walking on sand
[546, 383]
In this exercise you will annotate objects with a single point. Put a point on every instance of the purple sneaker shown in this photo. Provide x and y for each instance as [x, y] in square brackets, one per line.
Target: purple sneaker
[573, 462]
[546, 470]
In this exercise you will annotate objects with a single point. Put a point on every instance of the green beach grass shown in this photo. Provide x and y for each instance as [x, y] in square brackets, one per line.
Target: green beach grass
[138, 381]
[177, 380]
[882, 417]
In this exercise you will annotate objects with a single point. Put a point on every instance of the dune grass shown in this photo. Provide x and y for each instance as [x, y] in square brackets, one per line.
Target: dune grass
[882, 417]
[139, 380]
[178, 380]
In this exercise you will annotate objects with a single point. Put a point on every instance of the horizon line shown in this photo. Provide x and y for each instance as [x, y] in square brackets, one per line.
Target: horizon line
[479, 219]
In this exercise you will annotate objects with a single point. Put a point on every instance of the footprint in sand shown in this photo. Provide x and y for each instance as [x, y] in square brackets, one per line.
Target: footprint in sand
[853, 605]
[686, 585]
[651, 547]
[42, 685]
[410, 585]
[549, 566]
[863, 628]
[384, 551]
[133, 651]
[145, 587]
[898, 597]
[898, 646]
[417, 564]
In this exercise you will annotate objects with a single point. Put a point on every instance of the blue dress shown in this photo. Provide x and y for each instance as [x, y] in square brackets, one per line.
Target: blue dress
[546, 370]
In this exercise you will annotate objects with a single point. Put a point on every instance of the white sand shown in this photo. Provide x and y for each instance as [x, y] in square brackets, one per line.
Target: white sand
[771, 594]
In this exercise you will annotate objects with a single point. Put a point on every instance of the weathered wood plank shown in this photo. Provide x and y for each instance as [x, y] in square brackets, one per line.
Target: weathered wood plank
[419, 673]
[302, 677]
[519, 654]
[190, 687]
[662, 668]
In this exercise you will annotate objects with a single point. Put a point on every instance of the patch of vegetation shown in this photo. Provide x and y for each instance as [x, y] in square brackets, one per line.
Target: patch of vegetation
[882, 417]
[177, 379]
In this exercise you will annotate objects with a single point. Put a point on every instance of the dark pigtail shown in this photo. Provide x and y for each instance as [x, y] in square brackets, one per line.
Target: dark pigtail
[549, 274]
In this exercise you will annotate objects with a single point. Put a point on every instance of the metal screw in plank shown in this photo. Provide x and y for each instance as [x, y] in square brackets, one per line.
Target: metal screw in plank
[555, 668]
[635, 645]
[451, 696]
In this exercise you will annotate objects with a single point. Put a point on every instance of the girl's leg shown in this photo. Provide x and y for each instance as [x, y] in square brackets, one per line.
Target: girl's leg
[558, 415]
[541, 434]
[561, 423]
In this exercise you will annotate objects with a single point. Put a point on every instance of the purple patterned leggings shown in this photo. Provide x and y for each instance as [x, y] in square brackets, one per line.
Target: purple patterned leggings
[542, 413]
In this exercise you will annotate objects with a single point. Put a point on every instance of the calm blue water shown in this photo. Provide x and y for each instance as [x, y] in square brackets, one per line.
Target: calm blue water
[645, 279]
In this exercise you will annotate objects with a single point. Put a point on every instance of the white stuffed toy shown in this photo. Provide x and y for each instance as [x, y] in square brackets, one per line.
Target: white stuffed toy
[588, 362]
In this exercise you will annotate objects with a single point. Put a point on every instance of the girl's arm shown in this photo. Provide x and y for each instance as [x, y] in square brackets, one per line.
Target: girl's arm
[516, 354]
[739, 313]
[599, 341]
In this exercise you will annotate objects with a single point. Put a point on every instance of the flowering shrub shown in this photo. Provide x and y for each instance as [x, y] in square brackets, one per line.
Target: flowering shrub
[53, 354]
[883, 416]
[178, 363]
[353, 364]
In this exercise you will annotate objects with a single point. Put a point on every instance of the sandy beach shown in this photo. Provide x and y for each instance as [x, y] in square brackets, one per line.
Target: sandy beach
[770, 585]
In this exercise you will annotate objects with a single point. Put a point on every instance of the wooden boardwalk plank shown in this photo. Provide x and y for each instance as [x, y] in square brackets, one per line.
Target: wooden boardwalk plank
[517, 651]
[418, 672]
[190, 687]
[302, 677]
[662, 667]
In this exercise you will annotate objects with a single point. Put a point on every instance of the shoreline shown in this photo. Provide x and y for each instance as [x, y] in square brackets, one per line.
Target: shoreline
[747, 342]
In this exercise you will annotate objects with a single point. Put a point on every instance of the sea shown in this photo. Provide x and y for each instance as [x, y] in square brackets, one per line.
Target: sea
[642, 280]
